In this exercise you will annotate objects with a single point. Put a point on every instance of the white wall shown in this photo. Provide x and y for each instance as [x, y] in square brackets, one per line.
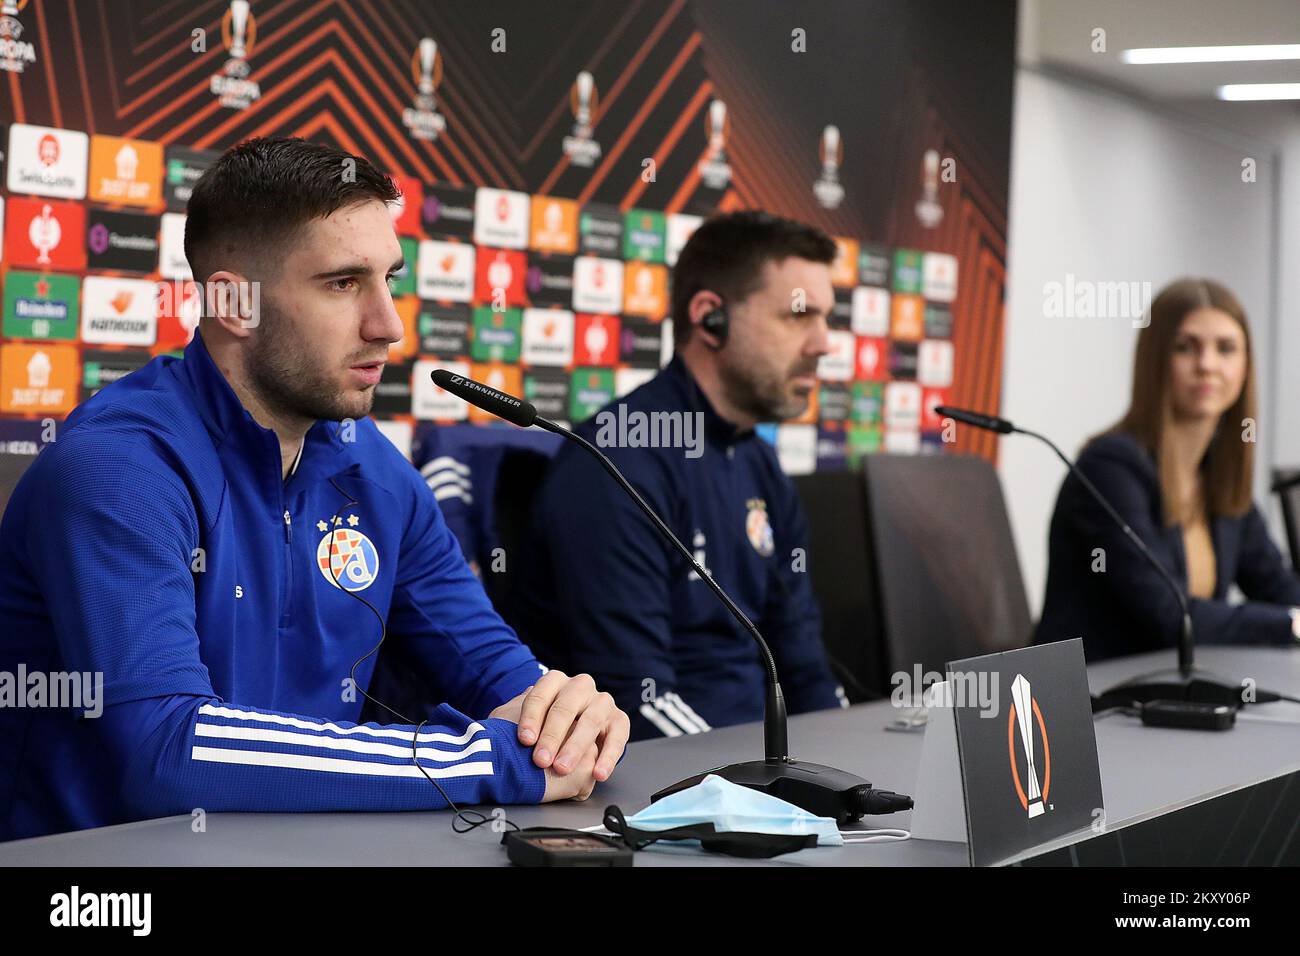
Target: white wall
[1109, 188]
[1277, 127]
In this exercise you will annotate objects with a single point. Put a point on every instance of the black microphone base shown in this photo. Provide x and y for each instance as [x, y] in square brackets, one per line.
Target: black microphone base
[824, 791]
[1198, 686]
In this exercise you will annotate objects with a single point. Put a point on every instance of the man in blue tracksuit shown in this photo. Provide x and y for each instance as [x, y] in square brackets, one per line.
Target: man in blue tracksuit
[601, 590]
[222, 539]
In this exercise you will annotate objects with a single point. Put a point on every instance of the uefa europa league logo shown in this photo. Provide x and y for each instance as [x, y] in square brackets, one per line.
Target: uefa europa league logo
[423, 120]
[581, 149]
[239, 33]
[1026, 714]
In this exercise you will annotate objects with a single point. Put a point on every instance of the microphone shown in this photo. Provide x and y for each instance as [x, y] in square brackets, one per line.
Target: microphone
[1185, 685]
[989, 422]
[514, 410]
[824, 791]
[1285, 484]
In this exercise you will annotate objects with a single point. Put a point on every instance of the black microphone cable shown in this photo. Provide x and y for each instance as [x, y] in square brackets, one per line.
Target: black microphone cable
[868, 799]
[473, 819]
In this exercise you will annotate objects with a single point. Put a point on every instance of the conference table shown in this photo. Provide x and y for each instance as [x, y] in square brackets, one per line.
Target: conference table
[1147, 773]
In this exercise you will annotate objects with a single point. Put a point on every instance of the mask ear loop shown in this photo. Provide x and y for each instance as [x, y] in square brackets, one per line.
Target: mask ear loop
[616, 823]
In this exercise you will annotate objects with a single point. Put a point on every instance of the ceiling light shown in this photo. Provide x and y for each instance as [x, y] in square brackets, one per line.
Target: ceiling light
[1259, 91]
[1212, 54]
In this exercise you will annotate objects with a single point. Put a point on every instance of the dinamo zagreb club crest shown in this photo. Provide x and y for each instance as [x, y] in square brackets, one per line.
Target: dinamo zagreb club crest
[354, 562]
[758, 528]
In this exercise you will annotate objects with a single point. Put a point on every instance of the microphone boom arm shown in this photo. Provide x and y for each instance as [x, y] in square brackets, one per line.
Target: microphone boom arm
[1190, 684]
[819, 789]
[1185, 644]
[775, 745]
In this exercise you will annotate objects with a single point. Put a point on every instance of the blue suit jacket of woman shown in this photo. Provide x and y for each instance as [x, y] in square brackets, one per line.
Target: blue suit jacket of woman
[1128, 608]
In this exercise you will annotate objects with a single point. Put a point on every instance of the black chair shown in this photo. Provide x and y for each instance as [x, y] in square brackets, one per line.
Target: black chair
[12, 467]
[517, 473]
[841, 564]
[948, 577]
[1286, 484]
[519, 478]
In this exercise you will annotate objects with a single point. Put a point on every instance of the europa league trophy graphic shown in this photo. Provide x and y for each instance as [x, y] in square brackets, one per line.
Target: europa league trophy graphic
[827, 188]
[928, 209]
[582, 109]
[714, 170]
[717, 129]
[596, 339]
[237, 65]
[1024, 700]
[428, 54]
[238, 26]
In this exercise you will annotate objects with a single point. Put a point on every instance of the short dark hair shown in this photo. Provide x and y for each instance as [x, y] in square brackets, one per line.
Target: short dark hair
[263, 190]
[726, 255]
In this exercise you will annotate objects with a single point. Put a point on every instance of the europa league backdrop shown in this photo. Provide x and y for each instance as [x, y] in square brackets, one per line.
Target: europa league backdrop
[554, 156]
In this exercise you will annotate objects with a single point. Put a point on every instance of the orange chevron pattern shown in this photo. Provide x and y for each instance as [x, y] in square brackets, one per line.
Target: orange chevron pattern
[137, 75]
[341, 71]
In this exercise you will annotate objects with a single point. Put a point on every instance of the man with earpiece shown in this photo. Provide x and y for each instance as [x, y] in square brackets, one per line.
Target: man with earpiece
[602, 590]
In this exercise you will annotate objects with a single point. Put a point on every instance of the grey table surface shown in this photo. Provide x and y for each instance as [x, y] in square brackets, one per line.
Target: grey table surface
[1145, 772]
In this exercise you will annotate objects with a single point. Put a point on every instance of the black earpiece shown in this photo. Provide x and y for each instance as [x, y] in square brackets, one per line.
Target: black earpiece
[716, 323]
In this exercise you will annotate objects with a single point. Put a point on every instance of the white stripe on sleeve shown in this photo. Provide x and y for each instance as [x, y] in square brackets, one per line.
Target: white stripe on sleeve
[229, 732]
[686, 709]
[453, 491]
[669, 710]
[667, 728]
[213, 710]
[259, 758]
[444, 462]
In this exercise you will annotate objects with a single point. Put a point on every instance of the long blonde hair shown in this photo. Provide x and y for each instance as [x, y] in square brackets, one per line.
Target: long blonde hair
[1228, 467]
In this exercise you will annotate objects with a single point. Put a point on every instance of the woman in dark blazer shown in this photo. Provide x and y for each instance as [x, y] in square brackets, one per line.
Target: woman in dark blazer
[1178, 469]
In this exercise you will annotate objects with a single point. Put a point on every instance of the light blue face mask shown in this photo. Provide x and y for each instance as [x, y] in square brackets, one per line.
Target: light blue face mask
[732, 808]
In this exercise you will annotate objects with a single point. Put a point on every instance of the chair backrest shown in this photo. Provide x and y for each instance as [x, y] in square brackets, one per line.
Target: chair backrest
[20, 441]
[949, 579]
[465, 466]
[1286, 482]
[841, 563]
[519, 479]
[485, 480]
[11, 469]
